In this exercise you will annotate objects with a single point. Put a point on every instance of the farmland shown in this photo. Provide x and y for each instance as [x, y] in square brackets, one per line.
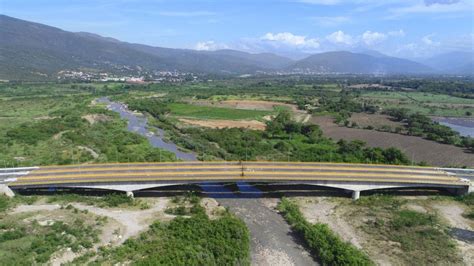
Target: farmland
[206, 112]
[422, 102]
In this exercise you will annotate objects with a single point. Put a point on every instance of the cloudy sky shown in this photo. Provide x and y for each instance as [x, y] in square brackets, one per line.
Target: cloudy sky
[405, 28]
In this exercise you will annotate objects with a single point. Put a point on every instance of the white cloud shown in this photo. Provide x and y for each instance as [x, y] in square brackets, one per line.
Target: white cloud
[330, 21]
[290, 39]
[433, 7]
[209, 46]
[428, 40]
[186, 13]
[339, 37]
[397, 33]
[371, 38]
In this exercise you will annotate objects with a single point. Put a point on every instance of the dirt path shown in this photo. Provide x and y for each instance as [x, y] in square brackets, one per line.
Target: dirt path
[272, 240]
[462, 228]
[416, 148]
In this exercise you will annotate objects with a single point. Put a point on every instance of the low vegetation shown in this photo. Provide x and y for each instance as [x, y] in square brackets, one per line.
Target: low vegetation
[423, 126]
[107, 201]
[194, 240]
[327, 246]
[421, 237]
[24, 240]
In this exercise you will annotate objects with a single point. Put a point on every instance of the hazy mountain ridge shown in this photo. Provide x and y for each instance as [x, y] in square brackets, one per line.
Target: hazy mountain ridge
[347, 62]
[29, 50]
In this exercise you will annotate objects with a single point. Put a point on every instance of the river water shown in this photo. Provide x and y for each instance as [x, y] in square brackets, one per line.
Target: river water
[139, 124]
[465, 126]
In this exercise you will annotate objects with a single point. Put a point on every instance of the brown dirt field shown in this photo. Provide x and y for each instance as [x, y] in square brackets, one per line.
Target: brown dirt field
[251, 124]
[415, 148]
[245, 104]
[375, 120]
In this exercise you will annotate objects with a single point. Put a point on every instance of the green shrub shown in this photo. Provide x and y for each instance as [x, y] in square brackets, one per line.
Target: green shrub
[329, 248]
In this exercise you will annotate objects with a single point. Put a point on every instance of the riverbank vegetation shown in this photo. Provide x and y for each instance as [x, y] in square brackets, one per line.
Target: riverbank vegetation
[326, 245]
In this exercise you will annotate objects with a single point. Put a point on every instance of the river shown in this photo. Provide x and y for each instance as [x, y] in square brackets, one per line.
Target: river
[272, 239]
[465, 126]
[139, 124]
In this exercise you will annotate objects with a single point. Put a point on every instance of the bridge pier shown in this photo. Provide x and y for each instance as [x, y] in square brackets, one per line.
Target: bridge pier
[130, 194]
[355, 194]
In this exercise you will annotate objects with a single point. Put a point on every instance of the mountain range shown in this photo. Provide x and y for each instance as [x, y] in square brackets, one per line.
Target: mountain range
[30, 51]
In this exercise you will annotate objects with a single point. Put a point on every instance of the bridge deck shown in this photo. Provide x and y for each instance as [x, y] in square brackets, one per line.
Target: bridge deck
[232, 171]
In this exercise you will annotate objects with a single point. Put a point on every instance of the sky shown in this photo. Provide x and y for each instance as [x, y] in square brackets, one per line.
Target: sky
[403, 28]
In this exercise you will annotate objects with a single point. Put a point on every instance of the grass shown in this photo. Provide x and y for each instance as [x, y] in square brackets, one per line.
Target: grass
[421, 102]
[107, 201]
[206, 112]
[422, 238]
[423, 97]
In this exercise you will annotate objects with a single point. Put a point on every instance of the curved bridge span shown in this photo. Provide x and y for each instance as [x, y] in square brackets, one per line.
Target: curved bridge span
[137, 176]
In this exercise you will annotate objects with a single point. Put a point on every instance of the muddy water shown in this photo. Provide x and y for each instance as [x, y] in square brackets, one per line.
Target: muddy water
[272, 240]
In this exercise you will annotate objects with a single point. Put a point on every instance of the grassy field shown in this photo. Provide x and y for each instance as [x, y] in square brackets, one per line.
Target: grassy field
[425, 103]
[206, 112]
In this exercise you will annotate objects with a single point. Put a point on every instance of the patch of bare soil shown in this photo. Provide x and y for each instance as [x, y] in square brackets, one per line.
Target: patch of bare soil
[452, 213]
[121, 223]
[338, 218]
[416, 148]
[212, 207]
[251, 124]
[374, 120]
[96, 118]
[322, 210]
[90, 151]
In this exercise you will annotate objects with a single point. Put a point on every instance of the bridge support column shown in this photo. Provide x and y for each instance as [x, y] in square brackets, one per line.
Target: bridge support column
[355, 194]
[5, 190]
[470, 189]
[130, 194]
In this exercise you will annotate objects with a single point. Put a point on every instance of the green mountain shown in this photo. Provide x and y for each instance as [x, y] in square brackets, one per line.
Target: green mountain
[32, 51]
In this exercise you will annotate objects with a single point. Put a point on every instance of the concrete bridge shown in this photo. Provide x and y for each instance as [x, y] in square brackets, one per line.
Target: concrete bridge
[130, 177]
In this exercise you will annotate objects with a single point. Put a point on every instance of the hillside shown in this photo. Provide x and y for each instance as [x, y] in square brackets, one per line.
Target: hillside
[347, 62]
[35, 51]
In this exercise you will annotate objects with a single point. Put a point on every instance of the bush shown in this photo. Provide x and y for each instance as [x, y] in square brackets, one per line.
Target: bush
[329, 248]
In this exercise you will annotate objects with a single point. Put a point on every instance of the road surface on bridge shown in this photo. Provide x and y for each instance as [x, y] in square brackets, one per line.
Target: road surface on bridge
[231, 172]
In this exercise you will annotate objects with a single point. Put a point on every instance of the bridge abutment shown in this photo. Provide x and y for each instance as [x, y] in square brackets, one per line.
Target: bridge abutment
[130, 194]
[5, 190]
